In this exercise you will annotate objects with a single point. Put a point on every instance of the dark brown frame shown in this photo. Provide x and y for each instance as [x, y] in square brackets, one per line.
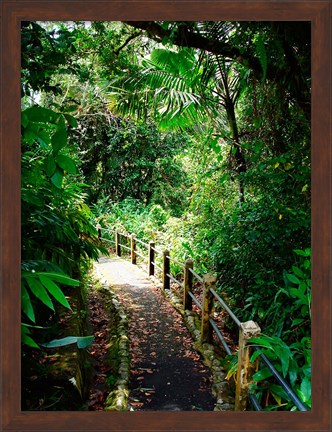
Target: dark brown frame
[316, 11]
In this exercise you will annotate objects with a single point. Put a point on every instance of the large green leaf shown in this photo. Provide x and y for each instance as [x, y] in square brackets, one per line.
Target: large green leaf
[24, 120]
[40, 114]
[71, 120]
[59, 139]
[260, 342]
[285, 356]
[25, 325]
[306, 389]
[63, 279]
[257, 354]
[262, 374]
[293, 279]
[26, 338]
[298, 272]
[39, 291]
[49, 165]
[82, 341]
[66, 163]
[305, 253]
[293, 371]
[54, 290]
[26, 304]
[57, 178]
[296, 293]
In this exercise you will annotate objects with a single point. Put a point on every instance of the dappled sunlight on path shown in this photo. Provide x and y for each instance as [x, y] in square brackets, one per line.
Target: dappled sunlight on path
[166, 372]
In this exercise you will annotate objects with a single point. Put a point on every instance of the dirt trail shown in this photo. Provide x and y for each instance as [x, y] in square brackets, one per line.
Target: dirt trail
[166, 372]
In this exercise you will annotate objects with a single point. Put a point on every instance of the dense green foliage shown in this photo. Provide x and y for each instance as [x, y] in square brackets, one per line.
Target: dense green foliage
[193, 134]
[58, 234]
[122, 159]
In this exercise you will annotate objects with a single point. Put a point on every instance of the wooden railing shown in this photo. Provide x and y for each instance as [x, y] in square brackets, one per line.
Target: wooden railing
[206, 305]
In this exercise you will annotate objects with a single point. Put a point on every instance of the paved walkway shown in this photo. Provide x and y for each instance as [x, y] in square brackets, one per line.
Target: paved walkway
[166, 373]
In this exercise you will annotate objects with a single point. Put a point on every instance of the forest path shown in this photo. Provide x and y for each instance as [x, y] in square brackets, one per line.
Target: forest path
[167, 374]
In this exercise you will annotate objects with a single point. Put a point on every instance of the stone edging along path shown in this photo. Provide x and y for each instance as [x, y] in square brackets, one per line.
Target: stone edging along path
[118, 398]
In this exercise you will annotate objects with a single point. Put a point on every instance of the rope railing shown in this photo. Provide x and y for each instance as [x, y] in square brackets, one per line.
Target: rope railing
[246, 330]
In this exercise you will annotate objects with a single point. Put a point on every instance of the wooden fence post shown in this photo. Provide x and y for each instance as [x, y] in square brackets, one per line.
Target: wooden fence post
[188, 285]
[133, 248]
[151, 258]
[245, 369]
[209, 281]
[117, 243]
[166, 270]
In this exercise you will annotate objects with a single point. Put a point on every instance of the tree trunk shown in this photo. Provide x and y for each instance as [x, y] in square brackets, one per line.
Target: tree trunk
[239, 158]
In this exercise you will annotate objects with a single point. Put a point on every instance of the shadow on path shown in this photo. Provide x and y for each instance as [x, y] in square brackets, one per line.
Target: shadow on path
[167, 374]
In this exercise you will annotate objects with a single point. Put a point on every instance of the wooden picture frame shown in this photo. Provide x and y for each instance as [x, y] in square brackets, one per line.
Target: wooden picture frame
[12, 13]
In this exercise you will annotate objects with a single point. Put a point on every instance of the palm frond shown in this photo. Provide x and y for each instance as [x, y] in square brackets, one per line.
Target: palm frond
[164, 88]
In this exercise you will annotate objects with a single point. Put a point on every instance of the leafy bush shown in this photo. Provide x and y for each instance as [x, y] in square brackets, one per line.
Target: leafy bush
[289, 344]
[294, 364]
[58, 234]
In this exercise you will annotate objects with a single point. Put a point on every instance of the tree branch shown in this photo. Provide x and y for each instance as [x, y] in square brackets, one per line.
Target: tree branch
[185, 37]
[126, 42]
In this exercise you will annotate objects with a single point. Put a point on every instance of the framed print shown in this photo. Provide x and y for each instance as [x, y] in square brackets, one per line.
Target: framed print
[13, 13]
